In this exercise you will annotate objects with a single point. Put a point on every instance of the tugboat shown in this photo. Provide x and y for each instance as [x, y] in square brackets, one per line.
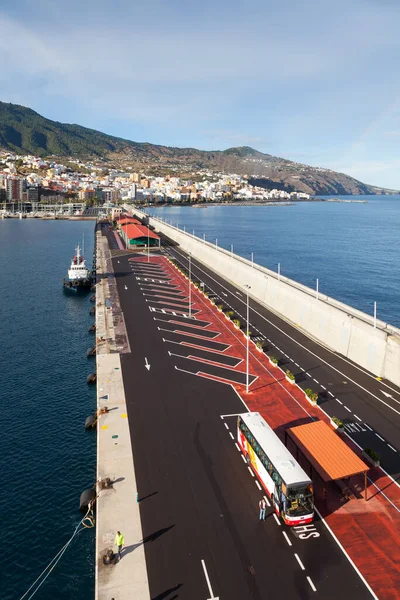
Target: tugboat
[79, 277]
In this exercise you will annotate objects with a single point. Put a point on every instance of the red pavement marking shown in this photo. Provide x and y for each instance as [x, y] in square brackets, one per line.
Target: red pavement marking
[223, 365]
[203, 347]
[189, 324]
[369, 531]
[200, 337]
[213, 362]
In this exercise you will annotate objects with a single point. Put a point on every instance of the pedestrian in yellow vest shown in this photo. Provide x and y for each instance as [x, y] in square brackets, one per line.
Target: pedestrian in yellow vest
[119, 542]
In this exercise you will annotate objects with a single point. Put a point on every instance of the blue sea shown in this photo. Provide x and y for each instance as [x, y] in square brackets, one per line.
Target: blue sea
[47, 457]
[353, 249]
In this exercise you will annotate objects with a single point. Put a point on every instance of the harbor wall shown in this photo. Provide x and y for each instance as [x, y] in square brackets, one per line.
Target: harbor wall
[340, 327]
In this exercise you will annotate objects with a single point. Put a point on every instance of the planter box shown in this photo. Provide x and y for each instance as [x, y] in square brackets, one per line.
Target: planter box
[272, 363]
[374, 463]
[259, 349]
[338, 429]
[236, 326]
[310, 401]
[292, 381]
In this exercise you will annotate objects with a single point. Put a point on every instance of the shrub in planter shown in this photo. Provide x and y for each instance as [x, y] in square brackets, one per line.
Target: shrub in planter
[206, 294]
[290, 376]
[220, 306]
[274, 360]
[374, 456]
[196, 284]
[338, 422]
[260, 344]
[229, 313]
[236, 322]
[312, 396]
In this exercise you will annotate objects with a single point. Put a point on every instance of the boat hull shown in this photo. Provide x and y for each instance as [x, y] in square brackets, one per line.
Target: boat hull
[77, 286]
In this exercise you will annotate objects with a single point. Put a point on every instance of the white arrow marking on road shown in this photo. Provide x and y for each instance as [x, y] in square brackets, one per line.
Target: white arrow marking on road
[147, 364]
[212, 597]
[386, 394]
[224, 294]
[126, 288]
[118, 261]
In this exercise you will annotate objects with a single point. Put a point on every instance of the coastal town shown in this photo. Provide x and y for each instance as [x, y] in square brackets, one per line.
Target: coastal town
[30, 185]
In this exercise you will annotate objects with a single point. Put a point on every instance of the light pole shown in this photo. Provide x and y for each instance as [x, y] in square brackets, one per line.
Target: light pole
[252, 259]
[279, 271]
[190, 286]
[374, 315]
[216, 243]
[148, 241]
[317, 289]
[231, 249]
[248, 336]
[204, 237]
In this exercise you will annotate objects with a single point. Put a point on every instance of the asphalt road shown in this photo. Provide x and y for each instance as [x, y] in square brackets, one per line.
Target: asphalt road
[369, 408]
[198, 500]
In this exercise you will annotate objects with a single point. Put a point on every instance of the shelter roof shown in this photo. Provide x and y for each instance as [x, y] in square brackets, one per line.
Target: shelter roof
[138, 231]
[326, 451]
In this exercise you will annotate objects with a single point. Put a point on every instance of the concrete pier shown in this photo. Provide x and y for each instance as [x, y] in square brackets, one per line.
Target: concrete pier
[116, 507]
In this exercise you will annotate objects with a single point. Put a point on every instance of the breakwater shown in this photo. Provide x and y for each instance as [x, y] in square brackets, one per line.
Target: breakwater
[374, 345]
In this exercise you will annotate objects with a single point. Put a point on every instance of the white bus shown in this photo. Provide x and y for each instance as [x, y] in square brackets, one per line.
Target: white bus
[285, 482]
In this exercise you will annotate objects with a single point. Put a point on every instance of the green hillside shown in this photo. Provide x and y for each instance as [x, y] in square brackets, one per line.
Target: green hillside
[23, 130]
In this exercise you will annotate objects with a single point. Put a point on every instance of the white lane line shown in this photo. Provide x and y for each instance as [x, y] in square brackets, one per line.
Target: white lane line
[287, 538]
[267, 501]
[226, 425]
[297, 365]
[237, 447]
[357, 417]
[380, 437]
[314, 589]
[330, 393]
[337, 400]
[308, 374]
[231, 434]
[226, 295]
[244, 460]
[323, 387]
[302, 567]
[258, 485]
[251, 471]
[276, 519]
[316, 381]
[208, 580]
[347, 408]
[368, 427]
[238, 293]
[391, 447]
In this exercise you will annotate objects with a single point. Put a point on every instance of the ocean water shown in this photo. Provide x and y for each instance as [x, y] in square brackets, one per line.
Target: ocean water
[47, 457]
[353, 249]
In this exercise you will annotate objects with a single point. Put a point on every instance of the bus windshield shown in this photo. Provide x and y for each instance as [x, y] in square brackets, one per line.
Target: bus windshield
[299, 501]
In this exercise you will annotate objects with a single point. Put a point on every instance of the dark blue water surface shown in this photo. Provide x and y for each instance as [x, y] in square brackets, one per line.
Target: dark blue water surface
[47, 457]
[353, 249]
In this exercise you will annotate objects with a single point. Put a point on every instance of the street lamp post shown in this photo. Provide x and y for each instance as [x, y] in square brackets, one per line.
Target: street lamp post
[252, 259]
[248, 337]
[148, 241]
[190, 286]
[232, 249]
[374, 315]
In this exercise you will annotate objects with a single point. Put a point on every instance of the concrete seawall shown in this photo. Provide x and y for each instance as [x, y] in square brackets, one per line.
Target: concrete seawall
[336, 325]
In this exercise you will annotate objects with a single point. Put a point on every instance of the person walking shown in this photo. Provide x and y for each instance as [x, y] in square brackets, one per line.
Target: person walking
[262, 506]
[119, 542]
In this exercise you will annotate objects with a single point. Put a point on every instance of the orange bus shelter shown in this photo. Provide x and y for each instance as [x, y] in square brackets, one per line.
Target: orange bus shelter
[326, 452]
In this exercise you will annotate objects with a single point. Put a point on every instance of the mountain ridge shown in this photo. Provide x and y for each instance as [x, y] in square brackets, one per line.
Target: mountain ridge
[24, 131]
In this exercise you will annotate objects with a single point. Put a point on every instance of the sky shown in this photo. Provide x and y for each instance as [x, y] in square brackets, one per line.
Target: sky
[314, 81]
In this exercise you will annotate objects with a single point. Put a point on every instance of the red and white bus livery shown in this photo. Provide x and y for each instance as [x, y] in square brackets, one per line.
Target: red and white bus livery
[285, 482]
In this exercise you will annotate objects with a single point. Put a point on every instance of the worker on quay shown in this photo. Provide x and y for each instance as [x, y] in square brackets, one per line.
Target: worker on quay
[119, 542]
